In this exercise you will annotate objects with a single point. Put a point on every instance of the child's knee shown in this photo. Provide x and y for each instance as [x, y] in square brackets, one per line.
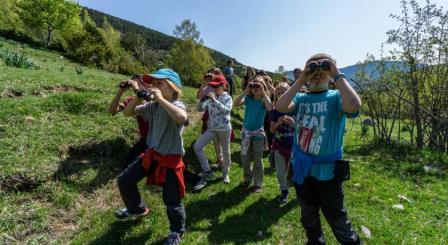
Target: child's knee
[197, 147]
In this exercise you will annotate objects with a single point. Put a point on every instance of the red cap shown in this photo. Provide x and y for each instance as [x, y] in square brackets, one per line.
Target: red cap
[147, 78]
[217, 80]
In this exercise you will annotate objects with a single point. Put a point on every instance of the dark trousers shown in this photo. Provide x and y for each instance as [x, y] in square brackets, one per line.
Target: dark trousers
[135, 151]
[329, 197]
[127, 183]
[231, 85]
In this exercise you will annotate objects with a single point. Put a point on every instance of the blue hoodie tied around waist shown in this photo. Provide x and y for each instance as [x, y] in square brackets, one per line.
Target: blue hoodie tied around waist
[303, 161]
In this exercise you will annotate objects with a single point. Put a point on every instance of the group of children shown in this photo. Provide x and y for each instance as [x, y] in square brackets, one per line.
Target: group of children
[307, 129]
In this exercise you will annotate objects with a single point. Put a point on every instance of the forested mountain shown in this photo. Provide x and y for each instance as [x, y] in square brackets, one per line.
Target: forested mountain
[155, 39]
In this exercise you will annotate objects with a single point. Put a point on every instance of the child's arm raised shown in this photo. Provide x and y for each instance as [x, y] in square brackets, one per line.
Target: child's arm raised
[284, 103]
[275, 124]
[129, 110]
[239, 101]
[266, 100]
[178, 114]
[114, 106]
[351, 102]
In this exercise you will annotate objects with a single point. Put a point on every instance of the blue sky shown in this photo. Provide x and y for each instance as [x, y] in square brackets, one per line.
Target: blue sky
[269, 33]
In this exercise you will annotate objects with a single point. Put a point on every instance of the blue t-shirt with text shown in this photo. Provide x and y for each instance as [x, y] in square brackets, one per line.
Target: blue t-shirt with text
[319, 127]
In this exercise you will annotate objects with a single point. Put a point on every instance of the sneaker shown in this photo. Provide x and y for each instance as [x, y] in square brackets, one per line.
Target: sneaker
[125, 214]
[226, 178]
[256, 189]
[208, 175]
[174, 238]
[200, 185]
[283, 198]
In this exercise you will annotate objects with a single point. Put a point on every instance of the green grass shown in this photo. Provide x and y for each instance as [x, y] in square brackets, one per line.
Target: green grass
[60, 154]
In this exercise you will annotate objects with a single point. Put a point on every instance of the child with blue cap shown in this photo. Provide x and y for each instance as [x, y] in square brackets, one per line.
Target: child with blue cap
[162, 162]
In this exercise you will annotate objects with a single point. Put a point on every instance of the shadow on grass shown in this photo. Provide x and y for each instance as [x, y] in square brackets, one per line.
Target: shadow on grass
[253, 223]
[117, 231]
[190, 159]
[106, 159]
[213, 206]
[236, 157]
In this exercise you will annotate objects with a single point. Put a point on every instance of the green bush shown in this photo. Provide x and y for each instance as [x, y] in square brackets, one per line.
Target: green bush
[19, 60]
[79, 70]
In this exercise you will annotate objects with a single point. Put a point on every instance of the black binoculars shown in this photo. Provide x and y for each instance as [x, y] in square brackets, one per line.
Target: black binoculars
[145, 94]
[253, 85]
[324, 65]
[124, 84]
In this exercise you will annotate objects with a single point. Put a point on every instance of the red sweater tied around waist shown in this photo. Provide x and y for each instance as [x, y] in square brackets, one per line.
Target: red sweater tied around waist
[164, 162]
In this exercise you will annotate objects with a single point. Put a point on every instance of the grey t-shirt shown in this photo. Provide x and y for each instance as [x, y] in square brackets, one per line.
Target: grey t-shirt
[165, 135]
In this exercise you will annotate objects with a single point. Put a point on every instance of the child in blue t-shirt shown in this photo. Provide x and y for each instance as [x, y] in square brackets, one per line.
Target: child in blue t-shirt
[253, 136]
[319, 124]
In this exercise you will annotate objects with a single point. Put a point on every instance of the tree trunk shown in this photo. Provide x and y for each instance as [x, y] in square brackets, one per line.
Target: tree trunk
[417, 116]
[49, 36]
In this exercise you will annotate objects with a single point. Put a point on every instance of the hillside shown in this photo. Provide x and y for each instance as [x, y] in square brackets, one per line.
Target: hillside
[61, 152]
[155, 39]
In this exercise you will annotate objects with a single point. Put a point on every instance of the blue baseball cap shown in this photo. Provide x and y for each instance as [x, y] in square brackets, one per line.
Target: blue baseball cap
[168, 74]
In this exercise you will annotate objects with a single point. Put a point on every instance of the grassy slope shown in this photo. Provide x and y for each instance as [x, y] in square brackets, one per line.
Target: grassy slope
[62, 151]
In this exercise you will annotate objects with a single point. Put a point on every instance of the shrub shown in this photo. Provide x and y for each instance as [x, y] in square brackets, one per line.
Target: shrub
[19, 60]
[79, 70]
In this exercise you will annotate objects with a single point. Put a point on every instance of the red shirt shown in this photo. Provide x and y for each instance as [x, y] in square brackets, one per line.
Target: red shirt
[143, 126]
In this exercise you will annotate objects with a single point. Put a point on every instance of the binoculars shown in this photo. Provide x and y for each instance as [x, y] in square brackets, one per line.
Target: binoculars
[324, 65]
[253, 85]
[145, 94]
[124, 84]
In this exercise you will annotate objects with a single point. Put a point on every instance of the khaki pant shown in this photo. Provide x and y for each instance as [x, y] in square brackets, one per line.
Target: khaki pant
[224, 143]
[281, 170]
[255, 154]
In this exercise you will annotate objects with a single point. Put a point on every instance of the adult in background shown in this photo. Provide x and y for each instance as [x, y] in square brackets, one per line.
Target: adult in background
[296, 73]
[229, 74]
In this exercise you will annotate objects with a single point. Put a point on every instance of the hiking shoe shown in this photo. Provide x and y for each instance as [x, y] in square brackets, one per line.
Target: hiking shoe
[226, 178]
[125, 214]
[174, 238]
[200, 185]
[256, 189]
[283, 198]
[207, 175]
